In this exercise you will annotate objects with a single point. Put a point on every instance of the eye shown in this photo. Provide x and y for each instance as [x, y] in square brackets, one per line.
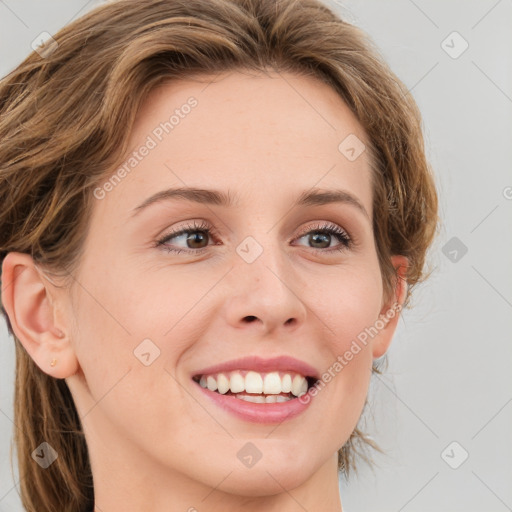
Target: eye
[195, 237]
[322, 235]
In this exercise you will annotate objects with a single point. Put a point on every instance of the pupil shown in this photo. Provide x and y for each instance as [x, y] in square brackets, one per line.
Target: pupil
[321, 238]
[196, 237]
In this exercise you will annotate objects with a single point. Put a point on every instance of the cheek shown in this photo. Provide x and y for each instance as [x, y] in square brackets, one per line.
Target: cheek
[127, 323]
[350, 303]
[350, 311]
[127, 362]
[106, 333]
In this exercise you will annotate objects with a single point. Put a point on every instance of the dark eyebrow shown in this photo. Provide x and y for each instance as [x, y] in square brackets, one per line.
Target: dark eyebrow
[314, 197]
[317, 197]
[198, 195]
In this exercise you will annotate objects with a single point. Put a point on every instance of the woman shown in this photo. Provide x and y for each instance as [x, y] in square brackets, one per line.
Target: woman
[213, 215]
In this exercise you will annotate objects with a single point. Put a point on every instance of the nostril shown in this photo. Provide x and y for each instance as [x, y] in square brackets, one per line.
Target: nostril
[250, 318]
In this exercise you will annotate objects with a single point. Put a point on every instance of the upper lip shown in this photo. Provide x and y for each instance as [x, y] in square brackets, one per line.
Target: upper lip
[256, 363]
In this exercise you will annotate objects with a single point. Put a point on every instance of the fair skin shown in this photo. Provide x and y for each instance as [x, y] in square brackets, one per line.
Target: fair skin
[155, 442]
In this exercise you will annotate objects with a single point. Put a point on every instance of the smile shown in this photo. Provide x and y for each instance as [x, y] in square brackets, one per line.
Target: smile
[259, 390]
[257, 387]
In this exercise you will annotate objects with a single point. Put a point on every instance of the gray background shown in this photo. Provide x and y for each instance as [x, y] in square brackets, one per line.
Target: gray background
[451, 359]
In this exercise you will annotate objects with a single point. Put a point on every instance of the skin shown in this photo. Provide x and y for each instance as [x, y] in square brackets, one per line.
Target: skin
[155, 442]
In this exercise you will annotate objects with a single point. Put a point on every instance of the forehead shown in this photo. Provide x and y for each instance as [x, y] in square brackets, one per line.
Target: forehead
[249, 134]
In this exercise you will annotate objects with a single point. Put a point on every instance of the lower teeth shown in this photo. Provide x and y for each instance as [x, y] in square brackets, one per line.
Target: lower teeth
[262, 399]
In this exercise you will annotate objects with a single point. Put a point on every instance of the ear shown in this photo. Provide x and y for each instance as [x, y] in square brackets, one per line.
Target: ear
[390, 311]
[32, 310]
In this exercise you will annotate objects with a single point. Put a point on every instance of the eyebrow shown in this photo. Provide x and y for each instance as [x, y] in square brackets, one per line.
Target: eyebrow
[313, 197]
[317, 197]
[197, 195]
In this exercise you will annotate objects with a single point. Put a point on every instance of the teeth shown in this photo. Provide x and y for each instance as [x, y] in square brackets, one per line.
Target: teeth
[236, 383]
[299, 385]
[253, 383]
[255, 399]
[271, 384]
[222, 384]
[211, 383]
[264, 399]
[286, 383]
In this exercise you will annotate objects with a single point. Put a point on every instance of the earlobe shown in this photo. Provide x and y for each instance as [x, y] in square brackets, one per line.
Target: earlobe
[400, 263]
[28, 302]
[390, 312]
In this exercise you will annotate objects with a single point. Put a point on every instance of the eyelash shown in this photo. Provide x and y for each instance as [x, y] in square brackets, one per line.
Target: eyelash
[331, 229]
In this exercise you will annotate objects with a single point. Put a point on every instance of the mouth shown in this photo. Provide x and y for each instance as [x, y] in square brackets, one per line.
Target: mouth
[259, 390]
[257, 387]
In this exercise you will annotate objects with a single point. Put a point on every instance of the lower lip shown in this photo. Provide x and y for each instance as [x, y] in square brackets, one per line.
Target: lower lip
[258, 413]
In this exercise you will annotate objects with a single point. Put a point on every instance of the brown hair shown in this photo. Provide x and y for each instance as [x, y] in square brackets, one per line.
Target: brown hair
[65, 119]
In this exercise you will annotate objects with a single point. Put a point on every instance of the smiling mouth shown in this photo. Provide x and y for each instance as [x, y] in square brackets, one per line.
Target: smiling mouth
[257, 387]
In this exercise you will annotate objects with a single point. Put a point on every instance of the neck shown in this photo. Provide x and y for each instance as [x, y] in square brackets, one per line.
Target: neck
[156, 489]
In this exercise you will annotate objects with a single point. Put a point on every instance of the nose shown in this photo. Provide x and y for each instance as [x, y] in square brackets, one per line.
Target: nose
[264, 295]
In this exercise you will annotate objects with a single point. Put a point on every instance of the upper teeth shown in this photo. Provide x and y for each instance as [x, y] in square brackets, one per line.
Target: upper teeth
[272, 383]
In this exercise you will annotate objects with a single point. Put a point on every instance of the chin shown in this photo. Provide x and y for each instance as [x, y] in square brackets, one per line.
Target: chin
[268, 480]
[270, 476]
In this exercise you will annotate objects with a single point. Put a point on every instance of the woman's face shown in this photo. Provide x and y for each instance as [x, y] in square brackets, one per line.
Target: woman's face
[265, 276]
